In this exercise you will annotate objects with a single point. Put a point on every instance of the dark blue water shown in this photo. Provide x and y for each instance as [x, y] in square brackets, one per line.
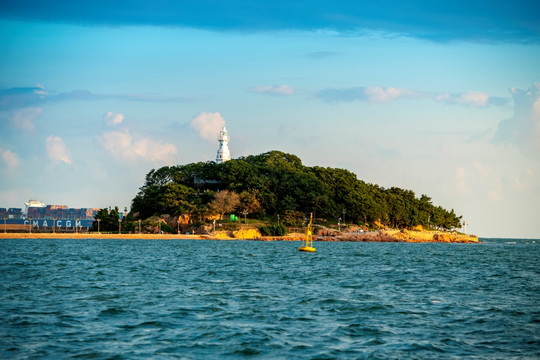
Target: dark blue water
[130, 299]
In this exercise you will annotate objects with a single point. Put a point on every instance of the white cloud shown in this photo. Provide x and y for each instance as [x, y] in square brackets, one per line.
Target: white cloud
[273, 90]
[18, 98]
[40, 90]
[373, 94]
[122, 145]
[56, 149]
[9, 158]
[208, 124]
[24, 118]
[378, 94]
[523, 128]
[113, 119]
[471, 98]
[443, 97]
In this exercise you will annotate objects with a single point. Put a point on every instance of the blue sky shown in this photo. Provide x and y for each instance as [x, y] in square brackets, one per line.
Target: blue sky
[443, 99]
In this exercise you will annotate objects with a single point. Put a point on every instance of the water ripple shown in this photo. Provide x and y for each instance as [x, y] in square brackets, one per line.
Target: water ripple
[114, 299]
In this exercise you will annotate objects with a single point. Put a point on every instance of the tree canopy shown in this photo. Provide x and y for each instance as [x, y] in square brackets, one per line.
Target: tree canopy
[278, 183]
[108, 219]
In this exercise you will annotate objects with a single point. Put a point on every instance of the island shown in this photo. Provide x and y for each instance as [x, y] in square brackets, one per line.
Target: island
[270, 197]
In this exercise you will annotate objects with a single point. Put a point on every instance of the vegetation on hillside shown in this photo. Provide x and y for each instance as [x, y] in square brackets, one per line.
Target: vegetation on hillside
[276, 183]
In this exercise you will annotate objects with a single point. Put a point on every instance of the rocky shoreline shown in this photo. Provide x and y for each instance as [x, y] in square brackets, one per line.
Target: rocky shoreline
[253, 234]
[388, 236]
[407, 236]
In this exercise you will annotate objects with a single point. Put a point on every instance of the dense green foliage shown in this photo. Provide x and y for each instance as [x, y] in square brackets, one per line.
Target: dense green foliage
[277, 183]
[108, 220]
[273, 230]
[167, 229]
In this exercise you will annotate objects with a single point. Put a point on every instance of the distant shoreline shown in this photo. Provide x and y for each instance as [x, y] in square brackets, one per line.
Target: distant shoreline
[98, 236]
[379, 236]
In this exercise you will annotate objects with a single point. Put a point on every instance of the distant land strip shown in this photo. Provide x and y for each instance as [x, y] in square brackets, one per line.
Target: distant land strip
[377, 236]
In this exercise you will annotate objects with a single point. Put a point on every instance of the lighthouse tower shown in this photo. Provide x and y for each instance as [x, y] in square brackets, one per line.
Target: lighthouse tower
[223, 153]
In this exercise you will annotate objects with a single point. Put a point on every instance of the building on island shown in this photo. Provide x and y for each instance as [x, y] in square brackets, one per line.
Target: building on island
[223, 153]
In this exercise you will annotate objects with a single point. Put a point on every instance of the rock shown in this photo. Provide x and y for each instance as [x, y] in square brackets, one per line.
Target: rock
[443, 238]
[221, 235]
[247, 234]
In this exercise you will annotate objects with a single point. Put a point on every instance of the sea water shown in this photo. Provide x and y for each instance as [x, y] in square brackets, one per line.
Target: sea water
[207, 299]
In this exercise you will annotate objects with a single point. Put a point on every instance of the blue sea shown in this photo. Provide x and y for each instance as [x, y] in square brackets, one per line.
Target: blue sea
[207, 299]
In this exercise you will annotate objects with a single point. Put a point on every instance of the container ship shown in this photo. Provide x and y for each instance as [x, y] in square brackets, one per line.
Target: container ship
[41, 216]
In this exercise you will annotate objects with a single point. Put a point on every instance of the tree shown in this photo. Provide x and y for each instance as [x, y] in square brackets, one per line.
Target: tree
[425, 208]
[175, 199]
[293, 218]
[108, 220]
[248, 202]
[224, 202]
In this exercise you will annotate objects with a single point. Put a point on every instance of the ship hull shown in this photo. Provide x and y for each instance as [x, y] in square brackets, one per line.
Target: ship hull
[50, 223]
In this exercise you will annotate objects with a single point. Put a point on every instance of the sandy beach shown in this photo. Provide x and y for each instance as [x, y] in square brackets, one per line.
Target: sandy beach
[98, 236]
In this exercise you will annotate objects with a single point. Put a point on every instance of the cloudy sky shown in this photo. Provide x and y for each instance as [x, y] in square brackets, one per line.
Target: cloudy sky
[440, 98]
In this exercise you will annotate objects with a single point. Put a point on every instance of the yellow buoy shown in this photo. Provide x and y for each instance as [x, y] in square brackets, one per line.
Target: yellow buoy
[307, 248]
[307, 243]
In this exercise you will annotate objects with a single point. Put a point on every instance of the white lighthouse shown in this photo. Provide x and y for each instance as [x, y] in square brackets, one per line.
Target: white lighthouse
[223, 153]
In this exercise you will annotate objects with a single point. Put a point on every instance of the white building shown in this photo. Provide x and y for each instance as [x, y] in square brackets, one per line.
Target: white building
[223, 153]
